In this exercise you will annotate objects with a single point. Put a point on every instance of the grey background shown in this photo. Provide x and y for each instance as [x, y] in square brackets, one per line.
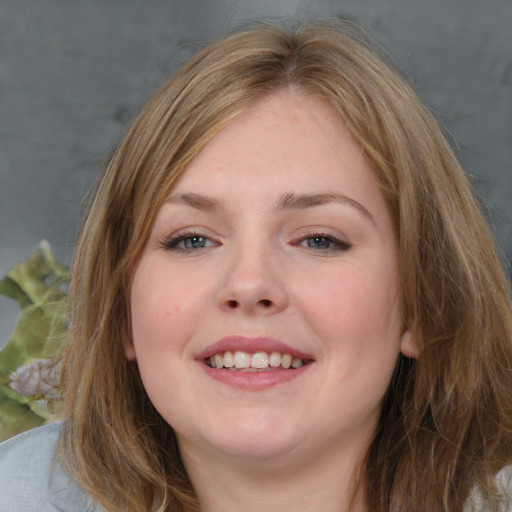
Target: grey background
[74, 73]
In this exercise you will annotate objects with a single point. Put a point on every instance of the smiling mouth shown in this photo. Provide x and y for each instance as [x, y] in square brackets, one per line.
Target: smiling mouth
[255, 361]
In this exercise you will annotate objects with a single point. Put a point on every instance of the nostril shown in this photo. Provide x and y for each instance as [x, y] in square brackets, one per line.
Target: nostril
[234, 304]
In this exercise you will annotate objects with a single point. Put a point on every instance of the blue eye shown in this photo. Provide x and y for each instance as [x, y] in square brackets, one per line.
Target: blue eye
[194, 242]
[319, 242]
[186, 242]
[324, 243]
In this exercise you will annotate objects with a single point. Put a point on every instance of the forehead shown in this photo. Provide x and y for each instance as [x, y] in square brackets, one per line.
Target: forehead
[285, 142]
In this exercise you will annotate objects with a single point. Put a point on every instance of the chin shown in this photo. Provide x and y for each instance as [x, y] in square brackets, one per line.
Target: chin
[251, 438]
[256, 450]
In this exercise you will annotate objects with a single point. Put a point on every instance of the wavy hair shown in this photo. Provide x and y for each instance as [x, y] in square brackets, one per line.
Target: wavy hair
[445, 427]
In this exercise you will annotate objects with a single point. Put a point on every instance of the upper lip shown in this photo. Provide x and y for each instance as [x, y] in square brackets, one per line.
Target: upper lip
[250, 344]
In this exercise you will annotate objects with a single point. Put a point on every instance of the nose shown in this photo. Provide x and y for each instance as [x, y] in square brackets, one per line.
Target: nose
[253, 283]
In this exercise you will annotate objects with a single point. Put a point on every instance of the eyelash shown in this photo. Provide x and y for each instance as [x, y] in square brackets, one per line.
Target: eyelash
[172, 242]
[336, 244]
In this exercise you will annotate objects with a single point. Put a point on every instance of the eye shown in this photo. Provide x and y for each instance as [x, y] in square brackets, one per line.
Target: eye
[187, 242]
[323, 243]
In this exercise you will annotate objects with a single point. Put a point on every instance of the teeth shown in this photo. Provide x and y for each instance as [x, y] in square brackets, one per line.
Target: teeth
[242, 359]
[275, 359]
[286, 361]
[258, 361]
[219, 361]
[296, 362]
[229, 361]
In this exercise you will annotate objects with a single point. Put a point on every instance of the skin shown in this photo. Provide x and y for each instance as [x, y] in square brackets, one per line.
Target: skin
[321, 278]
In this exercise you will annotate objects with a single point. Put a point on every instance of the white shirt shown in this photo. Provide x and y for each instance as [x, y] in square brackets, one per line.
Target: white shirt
[31, 478]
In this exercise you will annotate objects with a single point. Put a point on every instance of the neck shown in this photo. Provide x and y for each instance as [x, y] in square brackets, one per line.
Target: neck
[325, 482]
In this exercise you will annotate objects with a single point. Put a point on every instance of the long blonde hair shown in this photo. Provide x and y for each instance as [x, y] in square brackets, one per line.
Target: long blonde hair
[447, 417]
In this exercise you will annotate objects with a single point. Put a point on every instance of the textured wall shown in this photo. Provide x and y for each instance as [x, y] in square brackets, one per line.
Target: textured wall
[73, 74]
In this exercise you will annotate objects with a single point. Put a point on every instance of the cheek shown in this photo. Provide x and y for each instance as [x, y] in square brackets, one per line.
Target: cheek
[356, 310]
[161, 305]
[166, 304]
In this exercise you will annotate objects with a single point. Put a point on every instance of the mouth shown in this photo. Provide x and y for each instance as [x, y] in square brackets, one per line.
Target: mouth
[253, 363]
[260, 361]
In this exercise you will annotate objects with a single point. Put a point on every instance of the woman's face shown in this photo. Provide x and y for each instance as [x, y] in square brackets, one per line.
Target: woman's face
[275, 248]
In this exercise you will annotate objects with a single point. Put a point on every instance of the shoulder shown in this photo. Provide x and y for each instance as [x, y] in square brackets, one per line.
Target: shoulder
[504, 486]
[39, 439]
[32, 479]
[504, 483]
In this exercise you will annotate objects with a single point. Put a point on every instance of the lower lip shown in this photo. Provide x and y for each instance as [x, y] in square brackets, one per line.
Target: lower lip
[254, 380]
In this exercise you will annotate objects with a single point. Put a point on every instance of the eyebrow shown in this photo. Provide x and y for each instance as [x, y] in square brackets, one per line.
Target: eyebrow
[288, 201]
[293, 201]
[197, 201]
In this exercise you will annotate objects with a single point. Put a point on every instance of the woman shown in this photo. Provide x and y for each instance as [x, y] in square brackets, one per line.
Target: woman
[284, 297]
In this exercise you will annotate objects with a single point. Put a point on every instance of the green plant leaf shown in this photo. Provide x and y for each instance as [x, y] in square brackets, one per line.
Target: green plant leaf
[40, 333]
[27, 340]
[15, 418]
[40, 277]
[39, 286]
[30, 277]
[11, 289]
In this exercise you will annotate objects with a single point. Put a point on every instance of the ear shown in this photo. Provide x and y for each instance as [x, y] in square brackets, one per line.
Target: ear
[410, 345]
[130, 351]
